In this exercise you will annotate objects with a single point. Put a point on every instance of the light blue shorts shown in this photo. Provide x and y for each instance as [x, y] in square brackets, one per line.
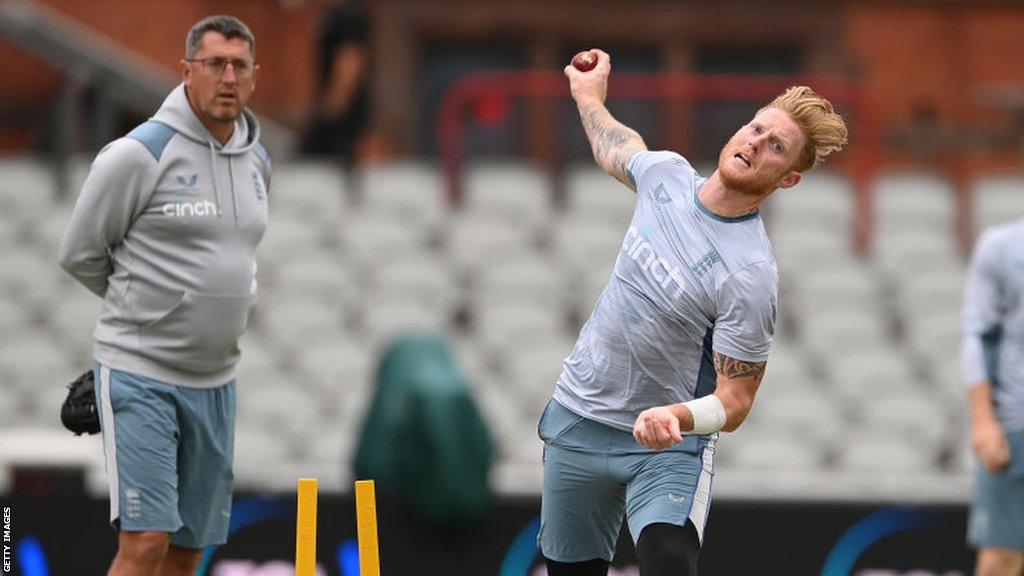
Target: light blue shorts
[997, 510]
[168, 453]
[594, 474]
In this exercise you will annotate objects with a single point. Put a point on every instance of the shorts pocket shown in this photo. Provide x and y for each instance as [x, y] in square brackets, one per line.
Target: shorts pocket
[556, 421]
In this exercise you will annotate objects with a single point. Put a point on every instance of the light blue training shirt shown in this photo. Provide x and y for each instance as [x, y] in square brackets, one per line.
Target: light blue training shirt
[993, 320]
[686, 282]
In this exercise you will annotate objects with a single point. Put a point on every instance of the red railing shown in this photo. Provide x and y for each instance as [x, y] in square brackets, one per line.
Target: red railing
[861, 160]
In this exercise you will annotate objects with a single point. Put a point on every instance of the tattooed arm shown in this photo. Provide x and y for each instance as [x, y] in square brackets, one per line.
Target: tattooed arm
[662, 426]
[612, 142]
[736, 386]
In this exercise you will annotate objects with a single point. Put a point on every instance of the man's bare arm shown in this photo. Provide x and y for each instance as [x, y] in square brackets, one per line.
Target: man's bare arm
[612, 142]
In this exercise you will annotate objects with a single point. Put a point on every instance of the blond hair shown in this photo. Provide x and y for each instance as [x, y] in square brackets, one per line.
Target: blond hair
[824, 129]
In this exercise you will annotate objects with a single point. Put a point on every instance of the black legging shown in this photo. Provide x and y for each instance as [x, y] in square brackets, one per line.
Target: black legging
[663, 550]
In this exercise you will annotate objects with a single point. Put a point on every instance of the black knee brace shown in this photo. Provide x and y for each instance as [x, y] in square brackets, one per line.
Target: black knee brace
[596, 567]
[668, 550]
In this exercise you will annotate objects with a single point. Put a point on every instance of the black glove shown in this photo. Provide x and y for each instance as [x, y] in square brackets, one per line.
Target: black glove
[78, 413]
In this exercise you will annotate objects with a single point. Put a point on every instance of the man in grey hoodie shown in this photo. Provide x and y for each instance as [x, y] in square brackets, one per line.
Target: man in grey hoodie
[165, 231]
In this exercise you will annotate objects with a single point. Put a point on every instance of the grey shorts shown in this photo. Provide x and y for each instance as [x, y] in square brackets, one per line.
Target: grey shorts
[595, 474]
[997, 509]
[168, 453]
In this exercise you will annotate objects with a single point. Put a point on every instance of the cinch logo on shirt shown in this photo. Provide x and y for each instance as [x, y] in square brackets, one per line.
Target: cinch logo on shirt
[642, 252]
[181, 209]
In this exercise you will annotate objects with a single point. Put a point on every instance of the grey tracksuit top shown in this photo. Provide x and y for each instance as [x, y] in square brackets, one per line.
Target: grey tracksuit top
[165, 231]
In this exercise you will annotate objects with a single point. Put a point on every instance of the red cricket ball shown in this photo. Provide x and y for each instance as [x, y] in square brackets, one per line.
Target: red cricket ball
[584, 61]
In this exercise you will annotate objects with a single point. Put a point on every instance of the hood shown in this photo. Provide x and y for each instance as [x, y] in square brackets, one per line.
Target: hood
[177, 113]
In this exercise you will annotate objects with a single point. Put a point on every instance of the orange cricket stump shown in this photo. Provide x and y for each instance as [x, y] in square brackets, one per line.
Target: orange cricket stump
[305, 528]
[366, 528]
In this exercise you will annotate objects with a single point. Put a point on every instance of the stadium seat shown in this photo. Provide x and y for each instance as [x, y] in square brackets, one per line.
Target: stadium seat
[527, 279]
[474, 239]
[763, 449]
[824, 332]
[514, 192]
[288, 408]
[594, 196]
[581, 243]
[532, 369]
[997, 199]
[409, 191]
[287, 237]
[419, 277]
[309, 192]
[291, 323]
[918, 200]
[320, 276]
[500, 326]
[835, 290]
[340, 370]
[27, 189]
[383, 320]
[902, 254]
[885, 453]
[823, 200]
[371, 238]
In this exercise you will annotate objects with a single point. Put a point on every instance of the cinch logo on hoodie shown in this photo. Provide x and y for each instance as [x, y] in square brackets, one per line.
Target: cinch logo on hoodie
[182, 209]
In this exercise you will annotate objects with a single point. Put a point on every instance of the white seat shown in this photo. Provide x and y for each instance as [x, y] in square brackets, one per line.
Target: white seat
[515, 192]
[798, 413]
[768, 450]
[501, 326]
[879, 373]
[320, 276]
[917, 417]
[809, 248]
[582, 243]
[885, 453]
[26, 190]
[308, 191]
[936, 335]
[285, 237]
[423, 278]
[909, 252]
[922, 200]
[935, 292]
[997, 200]
[823, 200]
[291, 324]
[409, 191]
[36, 361]
[384, 320]
[25, 273]
[826, 331]
[473, 239]
[341, 370]
[851, 288]
[592, 195]
[530, 279]
[288, 407]
[374, 237]
[531, 371]
[73, 317]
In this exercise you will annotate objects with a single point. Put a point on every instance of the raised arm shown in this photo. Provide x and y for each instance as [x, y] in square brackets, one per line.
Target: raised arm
[612, 142]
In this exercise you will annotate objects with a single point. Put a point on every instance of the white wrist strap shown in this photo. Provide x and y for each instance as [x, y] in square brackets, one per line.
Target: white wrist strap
[708, 414]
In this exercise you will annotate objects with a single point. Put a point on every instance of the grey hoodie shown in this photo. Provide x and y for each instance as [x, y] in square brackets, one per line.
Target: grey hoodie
[165, 231]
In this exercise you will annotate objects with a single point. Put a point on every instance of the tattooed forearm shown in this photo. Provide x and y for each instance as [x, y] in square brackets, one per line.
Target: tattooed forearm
[613, 143]
[733, 368]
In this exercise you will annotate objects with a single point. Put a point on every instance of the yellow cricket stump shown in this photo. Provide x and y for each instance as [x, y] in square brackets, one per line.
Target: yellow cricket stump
[305, 528]
[366, 529]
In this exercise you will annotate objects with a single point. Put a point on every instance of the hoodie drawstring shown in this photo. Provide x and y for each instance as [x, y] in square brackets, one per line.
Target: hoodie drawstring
[231, 177]
[213, 166]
